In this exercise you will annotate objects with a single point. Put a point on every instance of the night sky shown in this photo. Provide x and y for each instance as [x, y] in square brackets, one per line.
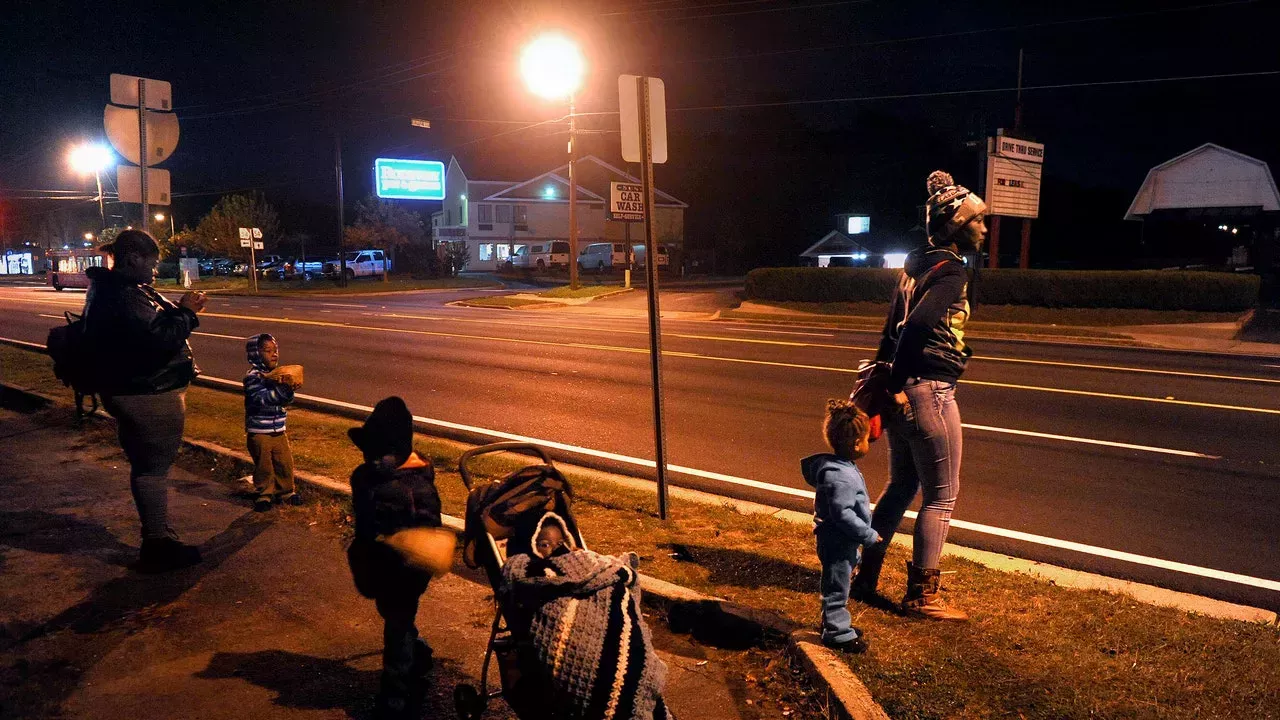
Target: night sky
[853, 103]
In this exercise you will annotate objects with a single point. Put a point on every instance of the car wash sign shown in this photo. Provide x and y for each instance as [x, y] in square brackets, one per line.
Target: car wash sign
[408, 179]
[626, 202]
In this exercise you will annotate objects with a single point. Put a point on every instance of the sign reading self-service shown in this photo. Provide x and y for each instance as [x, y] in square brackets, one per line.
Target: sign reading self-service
[626, 202]
[408, 179]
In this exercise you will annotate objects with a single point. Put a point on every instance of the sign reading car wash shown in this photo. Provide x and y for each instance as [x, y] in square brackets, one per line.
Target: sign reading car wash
[626, 202]
[408, 179]
[1013, 177]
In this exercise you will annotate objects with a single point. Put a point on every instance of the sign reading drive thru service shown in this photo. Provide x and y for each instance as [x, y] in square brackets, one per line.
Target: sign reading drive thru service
[626, 202]
[408, 179]
[1014, 167]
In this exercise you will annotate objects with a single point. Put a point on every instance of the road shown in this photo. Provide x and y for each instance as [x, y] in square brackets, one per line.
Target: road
[1151, 465]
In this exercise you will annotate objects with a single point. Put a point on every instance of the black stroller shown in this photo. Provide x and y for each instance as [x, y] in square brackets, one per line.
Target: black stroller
[495, 513]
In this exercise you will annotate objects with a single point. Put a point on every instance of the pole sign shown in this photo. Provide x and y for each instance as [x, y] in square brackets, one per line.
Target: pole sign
[246, 242]
[408, 179]
[626, 202]
[1014, 168]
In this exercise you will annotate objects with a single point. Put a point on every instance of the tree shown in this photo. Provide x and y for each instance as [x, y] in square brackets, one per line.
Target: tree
[219, 232]
[385, 225]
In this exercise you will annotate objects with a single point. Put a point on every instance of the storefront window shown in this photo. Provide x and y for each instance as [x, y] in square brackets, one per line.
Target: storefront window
[486, 252]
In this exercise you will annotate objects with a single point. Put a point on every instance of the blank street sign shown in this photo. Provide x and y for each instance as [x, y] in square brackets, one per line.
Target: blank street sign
[129, 185]
[124, 91]
[629, 109]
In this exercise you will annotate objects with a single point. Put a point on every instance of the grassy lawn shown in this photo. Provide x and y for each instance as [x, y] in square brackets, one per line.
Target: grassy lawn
[1032, 649]
[358, 286]
[1016, 314]
[504, 301]
[584, 291]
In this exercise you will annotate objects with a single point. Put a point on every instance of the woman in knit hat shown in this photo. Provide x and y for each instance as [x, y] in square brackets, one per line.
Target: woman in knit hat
[393, 490]
[923, 341]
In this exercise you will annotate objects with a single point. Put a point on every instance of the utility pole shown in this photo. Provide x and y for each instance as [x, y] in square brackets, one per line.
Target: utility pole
[337, 172]
[573, 200]
[1024, 254]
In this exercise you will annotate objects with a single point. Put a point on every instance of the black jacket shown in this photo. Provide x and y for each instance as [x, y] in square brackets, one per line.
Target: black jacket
[139, 338]
[387, 499]
[924, 333]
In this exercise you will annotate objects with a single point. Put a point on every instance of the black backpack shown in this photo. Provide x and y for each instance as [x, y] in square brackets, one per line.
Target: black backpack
[73, 359]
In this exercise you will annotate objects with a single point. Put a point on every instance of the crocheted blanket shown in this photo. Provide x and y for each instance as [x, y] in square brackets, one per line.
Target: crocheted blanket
[581, 613]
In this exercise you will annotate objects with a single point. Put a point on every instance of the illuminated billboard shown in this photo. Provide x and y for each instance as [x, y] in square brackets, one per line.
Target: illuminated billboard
[408, 179]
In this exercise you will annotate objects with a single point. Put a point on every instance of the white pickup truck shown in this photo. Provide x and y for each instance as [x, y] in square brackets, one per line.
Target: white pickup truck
[360, 263]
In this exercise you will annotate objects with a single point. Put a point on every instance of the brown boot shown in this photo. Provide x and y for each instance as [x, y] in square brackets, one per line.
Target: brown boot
[923, 599]
[868, 577]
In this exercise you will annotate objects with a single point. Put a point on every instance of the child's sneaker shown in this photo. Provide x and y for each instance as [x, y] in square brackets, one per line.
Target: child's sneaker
[262, 504]
[292, 498]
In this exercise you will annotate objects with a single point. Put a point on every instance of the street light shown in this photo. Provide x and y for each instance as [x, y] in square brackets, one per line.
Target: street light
[160, 218]
[92, 158]
[553, 68]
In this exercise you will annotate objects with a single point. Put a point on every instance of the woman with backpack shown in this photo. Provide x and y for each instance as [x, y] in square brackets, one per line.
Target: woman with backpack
[143, 366]
[923, 342]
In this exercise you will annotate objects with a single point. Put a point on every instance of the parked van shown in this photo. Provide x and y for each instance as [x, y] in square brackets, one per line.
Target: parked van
[602, 256]
[542, 256]
[664, 257]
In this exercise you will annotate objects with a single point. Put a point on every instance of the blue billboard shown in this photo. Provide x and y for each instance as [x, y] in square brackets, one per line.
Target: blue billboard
[408, 179]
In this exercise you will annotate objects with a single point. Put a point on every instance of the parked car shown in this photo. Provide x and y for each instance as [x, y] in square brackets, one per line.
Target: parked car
[541, 256]
[602, 256]
[312, 266]
[280, 269]
[664, 257]
[360, 263]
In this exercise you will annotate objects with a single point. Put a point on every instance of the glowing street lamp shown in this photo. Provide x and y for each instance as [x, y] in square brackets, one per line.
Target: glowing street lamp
[92, 158]
[160, 218]
[553, 68]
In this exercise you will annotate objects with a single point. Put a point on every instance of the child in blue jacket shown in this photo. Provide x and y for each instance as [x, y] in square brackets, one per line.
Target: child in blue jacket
[842, 514]
[265, 402]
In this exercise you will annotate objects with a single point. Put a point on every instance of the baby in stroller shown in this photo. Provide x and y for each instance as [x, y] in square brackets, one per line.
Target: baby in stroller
[579, 613]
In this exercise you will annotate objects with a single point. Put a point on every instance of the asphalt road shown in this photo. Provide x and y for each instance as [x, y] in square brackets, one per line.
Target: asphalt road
[1171, 457]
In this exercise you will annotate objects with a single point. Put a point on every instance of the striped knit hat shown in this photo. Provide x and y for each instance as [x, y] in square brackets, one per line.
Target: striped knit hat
[950, 207]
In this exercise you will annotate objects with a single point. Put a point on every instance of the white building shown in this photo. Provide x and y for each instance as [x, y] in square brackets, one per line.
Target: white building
[495, 217]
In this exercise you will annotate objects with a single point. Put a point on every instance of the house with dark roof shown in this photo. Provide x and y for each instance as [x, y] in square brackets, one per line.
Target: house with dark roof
[495, 217]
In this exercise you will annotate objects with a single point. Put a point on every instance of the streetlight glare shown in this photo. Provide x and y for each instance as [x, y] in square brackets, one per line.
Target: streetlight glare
[159, 217]
[552, 66]
[89, 158]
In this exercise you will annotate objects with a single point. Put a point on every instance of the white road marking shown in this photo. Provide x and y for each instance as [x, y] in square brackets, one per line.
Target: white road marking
[1122, 368]
[1090, 441]
[343, 305]
[227, 337]
[55, 317]
[1117, 396]
[1083, 548]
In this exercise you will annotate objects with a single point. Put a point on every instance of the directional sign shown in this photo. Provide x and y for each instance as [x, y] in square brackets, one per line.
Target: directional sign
[245, 234]
[124, 91]
[121, 125]
[129, 185]
[246, 242]
[257, 245]
[629, 110]
[626, 202]
[408, 179]
[420, 123]
[257, 233]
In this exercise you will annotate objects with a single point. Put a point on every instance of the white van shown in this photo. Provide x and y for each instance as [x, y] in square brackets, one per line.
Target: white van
[602, 256]
[664, 257]
[541, 256]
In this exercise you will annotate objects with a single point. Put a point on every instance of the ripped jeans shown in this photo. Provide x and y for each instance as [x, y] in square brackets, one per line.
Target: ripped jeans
[924, 455]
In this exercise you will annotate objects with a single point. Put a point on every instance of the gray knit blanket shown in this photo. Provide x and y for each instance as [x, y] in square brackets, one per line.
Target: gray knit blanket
[585, 626]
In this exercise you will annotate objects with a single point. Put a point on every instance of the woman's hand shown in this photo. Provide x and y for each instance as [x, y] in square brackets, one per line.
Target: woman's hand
[194, 301]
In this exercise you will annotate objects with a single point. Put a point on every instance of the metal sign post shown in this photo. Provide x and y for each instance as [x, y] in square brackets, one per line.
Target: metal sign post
[143, 160]
[651, 276]
[247, 236]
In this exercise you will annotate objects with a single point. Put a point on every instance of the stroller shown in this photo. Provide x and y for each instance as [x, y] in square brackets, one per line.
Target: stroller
[495, 513]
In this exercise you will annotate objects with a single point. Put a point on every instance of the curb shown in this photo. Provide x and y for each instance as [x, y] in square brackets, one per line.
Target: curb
[687, 611]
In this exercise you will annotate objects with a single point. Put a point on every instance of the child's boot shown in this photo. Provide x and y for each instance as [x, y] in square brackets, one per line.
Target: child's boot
[423, 658]
[868, 577]
[923, 599]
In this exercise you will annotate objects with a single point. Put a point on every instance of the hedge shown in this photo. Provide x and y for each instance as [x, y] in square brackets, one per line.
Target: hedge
[1146, 289]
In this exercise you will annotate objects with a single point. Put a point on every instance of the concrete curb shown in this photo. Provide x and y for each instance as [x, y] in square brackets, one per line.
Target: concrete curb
[846, 697]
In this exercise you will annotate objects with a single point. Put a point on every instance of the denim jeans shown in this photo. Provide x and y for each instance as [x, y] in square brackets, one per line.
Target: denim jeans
[838, 555]
[924, 455]
[150, 432]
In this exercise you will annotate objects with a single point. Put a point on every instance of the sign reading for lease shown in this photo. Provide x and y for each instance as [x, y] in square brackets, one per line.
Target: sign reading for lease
[626, 202]
[1013, 187]
[408, 179]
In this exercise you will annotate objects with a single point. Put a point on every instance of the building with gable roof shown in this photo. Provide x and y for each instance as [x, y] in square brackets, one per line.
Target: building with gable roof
[494, 217]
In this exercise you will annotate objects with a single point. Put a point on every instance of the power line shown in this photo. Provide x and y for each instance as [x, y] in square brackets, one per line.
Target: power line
[787, 8]
[684, 8]
[964, 33]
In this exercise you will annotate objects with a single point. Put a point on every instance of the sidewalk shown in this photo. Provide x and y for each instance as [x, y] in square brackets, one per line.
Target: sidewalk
[268, 626]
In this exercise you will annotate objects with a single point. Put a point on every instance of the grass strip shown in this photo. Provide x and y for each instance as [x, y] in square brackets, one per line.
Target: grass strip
[585, 291]
[361, 286]
[1056, 318]
[1032, 649]
[504, 301]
